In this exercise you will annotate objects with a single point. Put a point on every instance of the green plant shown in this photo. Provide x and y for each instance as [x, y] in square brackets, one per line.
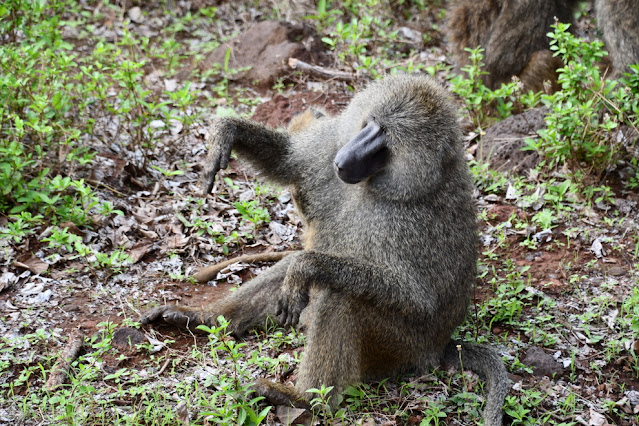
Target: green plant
[322, 401]
[544, 218]
[232, 401]
[62, 238]
[583, 116]
[479, 100]
[50, 97]
[433, 413]
[510, 295]
[20, 226]
[324, 16]
[251, 211]
[630, 309]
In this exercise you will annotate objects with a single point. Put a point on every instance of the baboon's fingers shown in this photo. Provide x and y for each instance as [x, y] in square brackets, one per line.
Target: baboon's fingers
[289, 310]
[153, 315]
[279, 394]
[285, 315]
[209, 177]
[218, 159]
[280, 308]
[220, 147]
[174, 315]
[282, 312]
[290, 320]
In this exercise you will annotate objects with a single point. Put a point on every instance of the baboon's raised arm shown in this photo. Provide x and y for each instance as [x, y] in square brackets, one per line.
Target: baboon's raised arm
[268, 150]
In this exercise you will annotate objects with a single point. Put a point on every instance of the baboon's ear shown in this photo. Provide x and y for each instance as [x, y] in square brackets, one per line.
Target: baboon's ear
[366, 154]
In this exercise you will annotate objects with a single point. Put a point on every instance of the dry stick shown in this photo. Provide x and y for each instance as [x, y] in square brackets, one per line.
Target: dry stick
[210, 272]
[321, 71]
[68, 354]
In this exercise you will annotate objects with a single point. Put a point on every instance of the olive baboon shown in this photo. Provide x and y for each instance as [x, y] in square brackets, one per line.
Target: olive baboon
[389, 257]
[619, 23]
[513, 35]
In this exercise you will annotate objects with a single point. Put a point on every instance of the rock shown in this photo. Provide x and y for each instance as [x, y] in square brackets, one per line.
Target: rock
[135, 14]
[266, 47]
[542, 363]
[616, 271]
[502, 143]
[125, 338]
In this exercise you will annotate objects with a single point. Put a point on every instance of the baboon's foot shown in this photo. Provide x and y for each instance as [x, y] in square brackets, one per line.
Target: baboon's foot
[280, 394]
[178, 316]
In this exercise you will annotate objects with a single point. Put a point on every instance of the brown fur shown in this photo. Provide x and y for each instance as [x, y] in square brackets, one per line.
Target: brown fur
[513, 35]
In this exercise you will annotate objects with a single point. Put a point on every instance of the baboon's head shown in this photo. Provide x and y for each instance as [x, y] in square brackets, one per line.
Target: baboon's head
[401, 138]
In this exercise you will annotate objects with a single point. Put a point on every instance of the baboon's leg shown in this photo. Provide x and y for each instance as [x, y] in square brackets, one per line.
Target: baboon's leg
[332, 353]
[333, 350]
[248, 306]
[542, 66]
[347, 341]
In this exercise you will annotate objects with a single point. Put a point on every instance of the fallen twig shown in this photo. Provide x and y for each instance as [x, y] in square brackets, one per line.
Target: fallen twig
[321, 71]
[68, 354]
[210, 272]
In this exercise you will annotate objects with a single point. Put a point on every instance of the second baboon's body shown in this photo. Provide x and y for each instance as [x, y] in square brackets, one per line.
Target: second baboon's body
[513, 35]
[389, 258]
[619, 22]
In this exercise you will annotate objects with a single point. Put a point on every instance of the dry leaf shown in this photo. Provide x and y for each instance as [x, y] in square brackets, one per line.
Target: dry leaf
[597, 419]
[7, 279]
[32, 263]
[290, 415]
[140, 250]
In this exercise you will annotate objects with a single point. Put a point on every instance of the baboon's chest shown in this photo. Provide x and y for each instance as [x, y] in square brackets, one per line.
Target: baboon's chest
[343, 223]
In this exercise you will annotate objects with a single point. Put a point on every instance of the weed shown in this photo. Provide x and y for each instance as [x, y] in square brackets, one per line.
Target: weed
[479, 100]
[251, 211]
[231, 400]
[583, 117]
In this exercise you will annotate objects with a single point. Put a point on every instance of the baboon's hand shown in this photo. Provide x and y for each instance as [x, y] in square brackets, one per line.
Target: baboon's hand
[175, 315]
[279, 393]
[290, 306]
[220, 146]
[294, 296]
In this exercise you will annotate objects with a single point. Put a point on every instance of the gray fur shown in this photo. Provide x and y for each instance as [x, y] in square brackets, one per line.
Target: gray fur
[619, 22]
[389, 263]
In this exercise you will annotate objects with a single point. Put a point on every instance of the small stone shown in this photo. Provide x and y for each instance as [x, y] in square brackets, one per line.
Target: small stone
[135, 14]
[542, 363]
[410, 34]
[617, 271]
[125, 338]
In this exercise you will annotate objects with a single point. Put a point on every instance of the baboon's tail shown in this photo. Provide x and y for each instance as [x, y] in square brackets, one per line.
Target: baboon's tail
[487, 364]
